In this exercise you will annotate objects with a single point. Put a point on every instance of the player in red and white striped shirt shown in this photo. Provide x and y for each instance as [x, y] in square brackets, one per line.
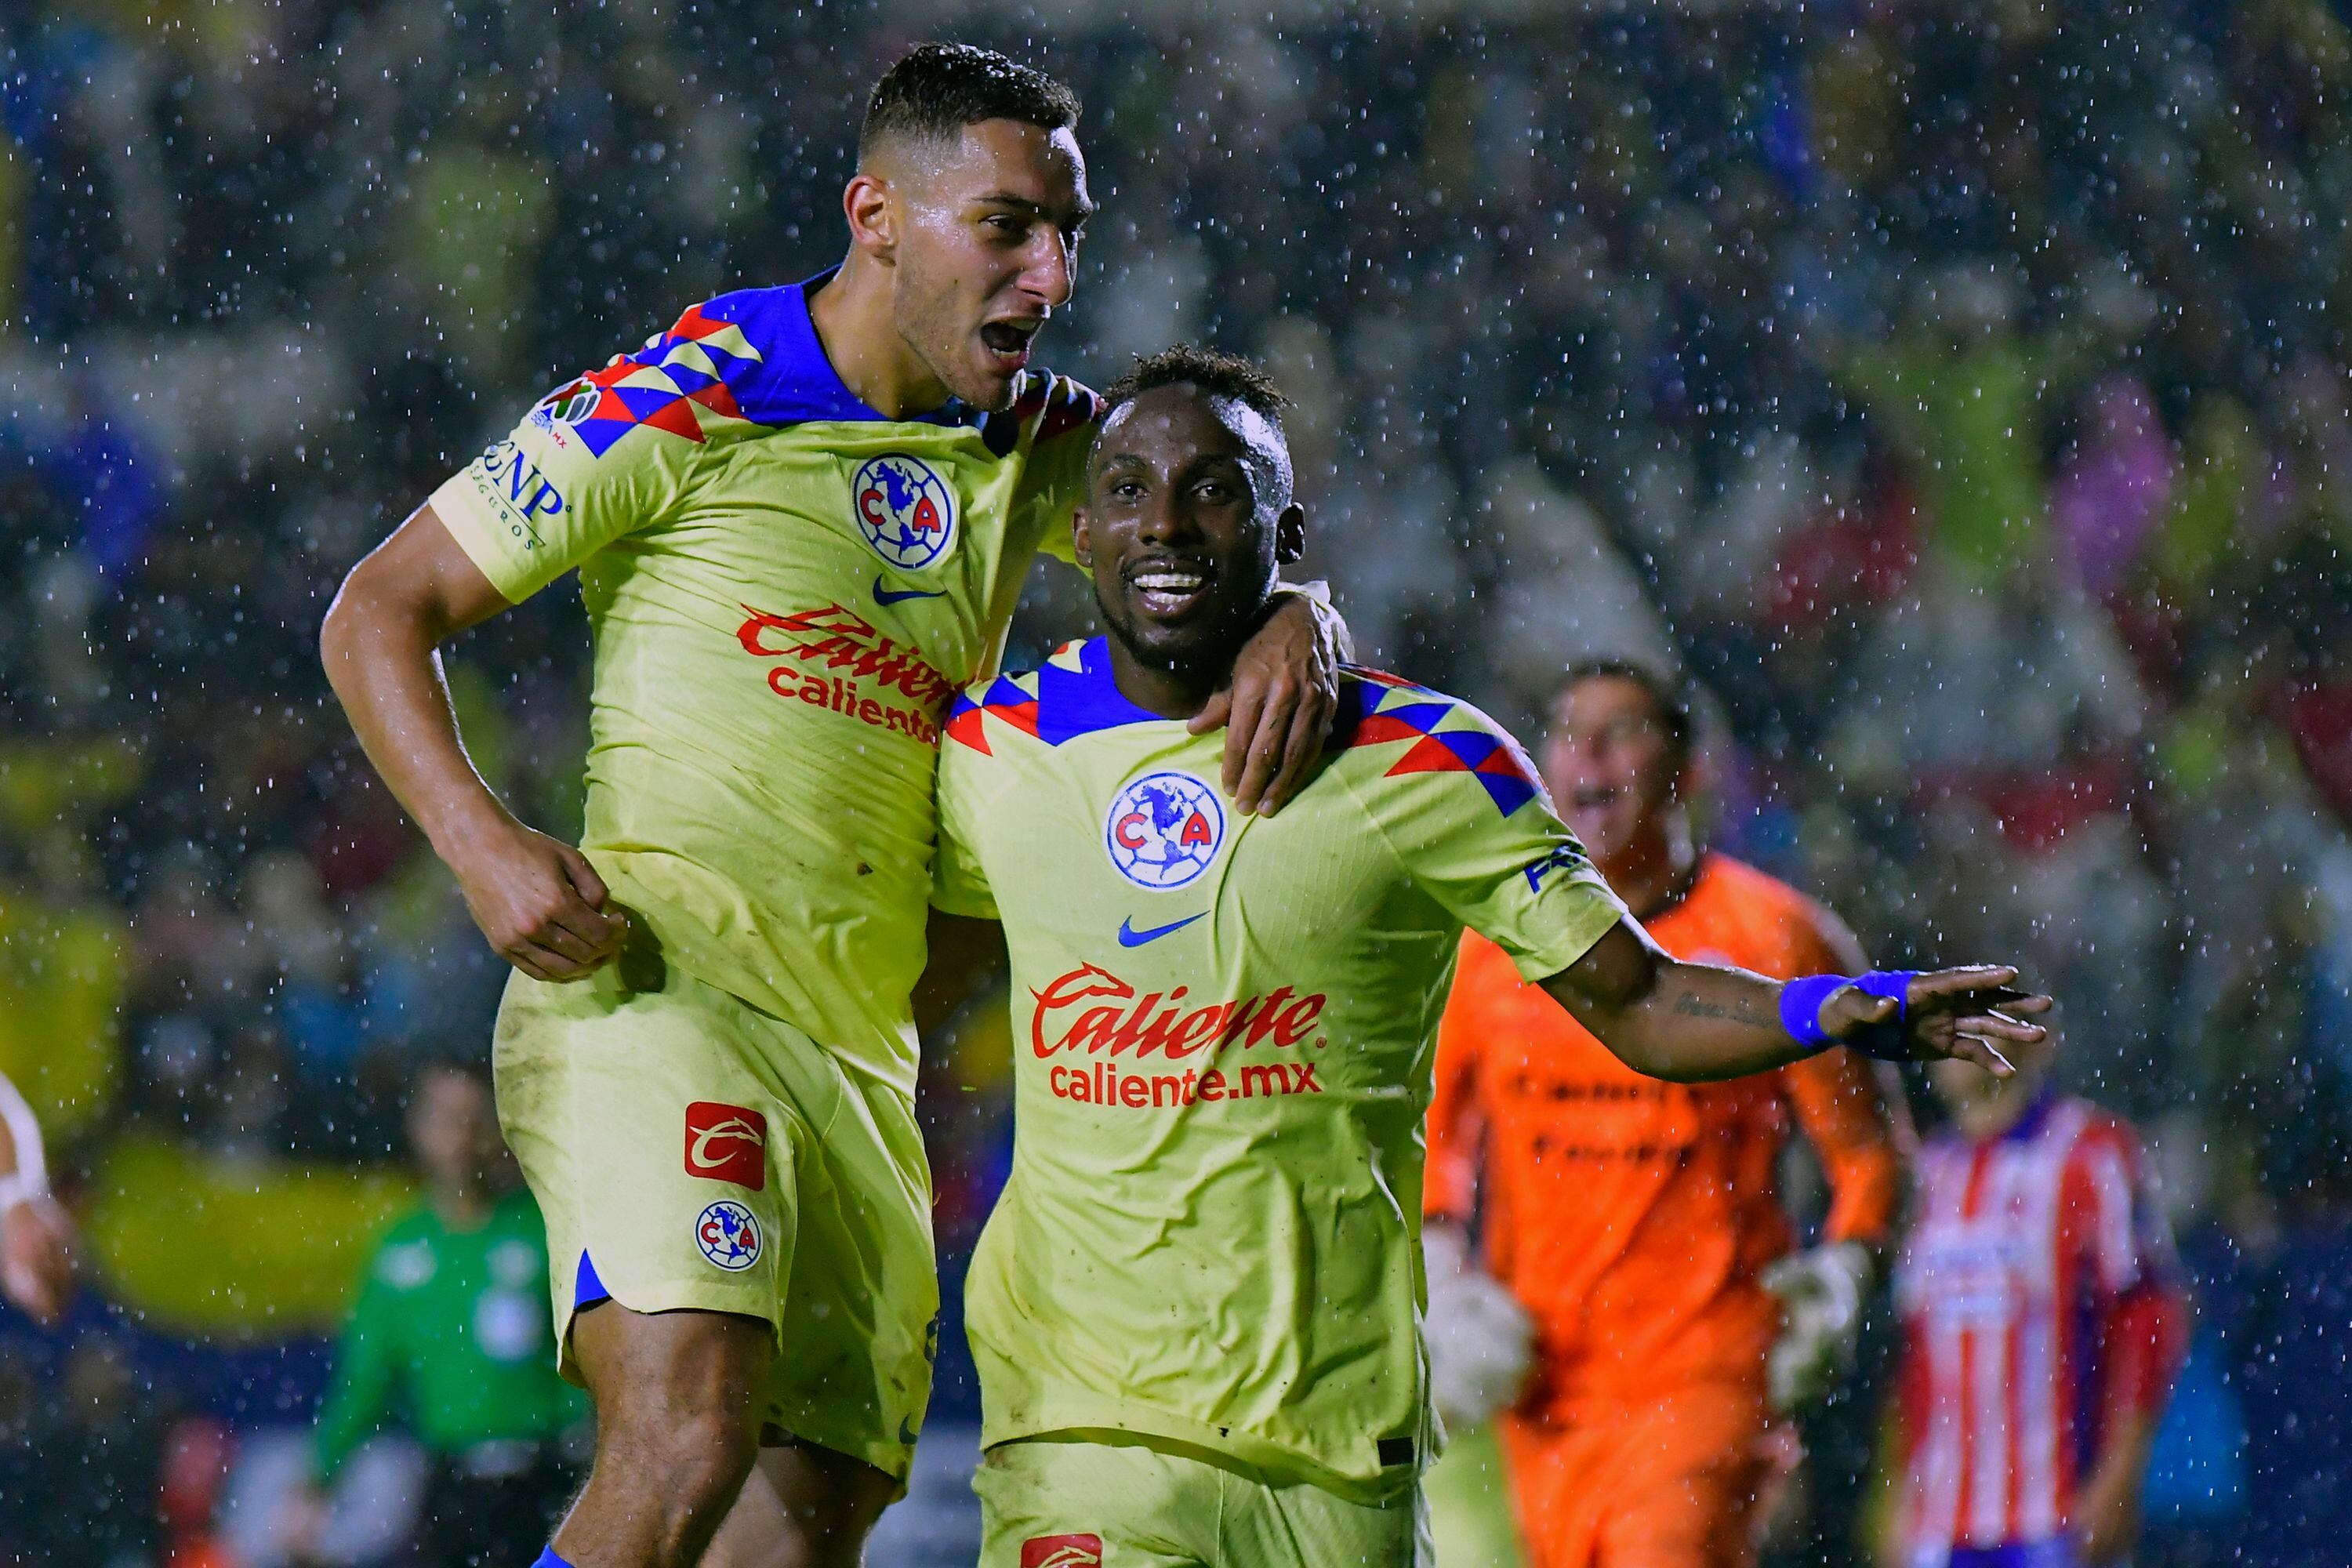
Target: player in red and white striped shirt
[2044, 1322]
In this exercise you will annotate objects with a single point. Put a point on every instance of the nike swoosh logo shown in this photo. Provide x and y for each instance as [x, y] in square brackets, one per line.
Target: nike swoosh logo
[898, 596]
[1130, 937]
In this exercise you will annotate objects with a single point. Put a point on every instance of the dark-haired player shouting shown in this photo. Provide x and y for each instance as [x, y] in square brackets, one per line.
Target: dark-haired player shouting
[1194, 1310]
[801, 517]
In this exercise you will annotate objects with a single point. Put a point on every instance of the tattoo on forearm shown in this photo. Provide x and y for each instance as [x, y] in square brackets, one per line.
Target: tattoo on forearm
[1693, 1006]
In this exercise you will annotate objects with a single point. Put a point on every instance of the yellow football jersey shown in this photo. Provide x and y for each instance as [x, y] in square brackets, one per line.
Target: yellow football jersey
[786, 590]
[1224, 1029]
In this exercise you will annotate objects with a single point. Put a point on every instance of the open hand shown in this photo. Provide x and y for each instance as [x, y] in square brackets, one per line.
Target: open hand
[1962, 1013]
[538, 902]
[1279, 708]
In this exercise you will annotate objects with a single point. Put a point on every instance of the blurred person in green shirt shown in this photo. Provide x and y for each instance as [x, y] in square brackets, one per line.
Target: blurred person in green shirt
[449, 1341]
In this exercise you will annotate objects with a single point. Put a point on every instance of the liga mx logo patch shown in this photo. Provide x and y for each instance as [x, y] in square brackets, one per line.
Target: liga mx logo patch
[906, 512]
[728, 1236]
[1062, 1551]
[1164, 829]
[572, 403]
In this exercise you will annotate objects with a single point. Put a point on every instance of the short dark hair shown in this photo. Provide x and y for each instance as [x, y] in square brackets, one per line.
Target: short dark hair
[1220, 375]
[1215, 371]
[1667, 696]
[935, 90]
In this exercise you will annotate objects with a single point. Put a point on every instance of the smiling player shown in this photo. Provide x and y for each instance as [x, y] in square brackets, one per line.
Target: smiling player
[1194, 1310]
[801, 517]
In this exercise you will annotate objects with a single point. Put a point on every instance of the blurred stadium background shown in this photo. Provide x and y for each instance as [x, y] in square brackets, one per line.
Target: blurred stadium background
[1958, 391]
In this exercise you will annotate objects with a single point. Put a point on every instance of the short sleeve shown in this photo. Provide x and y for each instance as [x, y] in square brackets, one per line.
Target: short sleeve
[2119, 1226]
[2121, 1232]
[573, 477]
[1055, 479]
[1463, 809]
[959, 879]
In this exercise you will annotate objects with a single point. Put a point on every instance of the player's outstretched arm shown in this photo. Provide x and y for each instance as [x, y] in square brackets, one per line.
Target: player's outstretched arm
[538, 900]
[1695, 1022]
[1277, 711]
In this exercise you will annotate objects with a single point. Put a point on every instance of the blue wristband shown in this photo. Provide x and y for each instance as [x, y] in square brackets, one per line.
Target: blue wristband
[1891, 984]
[1800, 1010]
[1800, 1007]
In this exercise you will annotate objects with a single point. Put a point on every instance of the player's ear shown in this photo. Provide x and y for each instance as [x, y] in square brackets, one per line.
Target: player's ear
[872, 220]
[1082, 539]
[1290, 534]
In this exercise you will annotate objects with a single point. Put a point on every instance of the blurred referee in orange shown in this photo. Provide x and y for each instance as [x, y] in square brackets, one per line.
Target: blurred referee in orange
[1650, 1318]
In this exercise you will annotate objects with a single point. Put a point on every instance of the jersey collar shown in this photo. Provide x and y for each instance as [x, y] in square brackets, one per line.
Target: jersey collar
[2032, 1119]
[1079, 698]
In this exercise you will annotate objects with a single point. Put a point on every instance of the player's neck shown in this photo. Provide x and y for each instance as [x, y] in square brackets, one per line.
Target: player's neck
[1167, 692]
[855, 326]
[1653, 871]
[1987, 1118]
[464, 1206]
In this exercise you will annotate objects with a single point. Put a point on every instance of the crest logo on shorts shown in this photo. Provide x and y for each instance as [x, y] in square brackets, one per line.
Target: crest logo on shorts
[1164, 829]
[906, 512]
[727, 1144]
[1062, 1551]
[728, 1236]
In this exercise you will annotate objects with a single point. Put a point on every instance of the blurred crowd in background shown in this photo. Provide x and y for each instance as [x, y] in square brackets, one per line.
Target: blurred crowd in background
[1957, 393]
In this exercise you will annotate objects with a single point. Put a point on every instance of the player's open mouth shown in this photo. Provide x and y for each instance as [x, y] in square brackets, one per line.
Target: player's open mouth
[1169, 588]
[1595, 797]
[1008, 343]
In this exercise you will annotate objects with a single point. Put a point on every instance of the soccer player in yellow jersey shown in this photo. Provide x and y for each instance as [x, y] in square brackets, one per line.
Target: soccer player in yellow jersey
[1195, 1308]
[801, 516]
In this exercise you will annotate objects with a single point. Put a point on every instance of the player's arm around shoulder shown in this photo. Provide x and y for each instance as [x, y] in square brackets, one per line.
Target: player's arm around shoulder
[1277, 711]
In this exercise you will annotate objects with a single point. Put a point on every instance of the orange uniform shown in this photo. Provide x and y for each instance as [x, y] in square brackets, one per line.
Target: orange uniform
[1632, 1218]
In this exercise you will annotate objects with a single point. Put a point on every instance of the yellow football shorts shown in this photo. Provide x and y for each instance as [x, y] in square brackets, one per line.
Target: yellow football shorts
[1072, 1501]
[690, 1151]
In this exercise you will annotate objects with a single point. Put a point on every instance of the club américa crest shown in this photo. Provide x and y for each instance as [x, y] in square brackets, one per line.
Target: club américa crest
[729, 1236]
[1163, 829]
[904, 511]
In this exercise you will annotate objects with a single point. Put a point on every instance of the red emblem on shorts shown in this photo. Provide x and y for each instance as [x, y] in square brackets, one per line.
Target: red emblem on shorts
[727, 1144]
[1062, 1551]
